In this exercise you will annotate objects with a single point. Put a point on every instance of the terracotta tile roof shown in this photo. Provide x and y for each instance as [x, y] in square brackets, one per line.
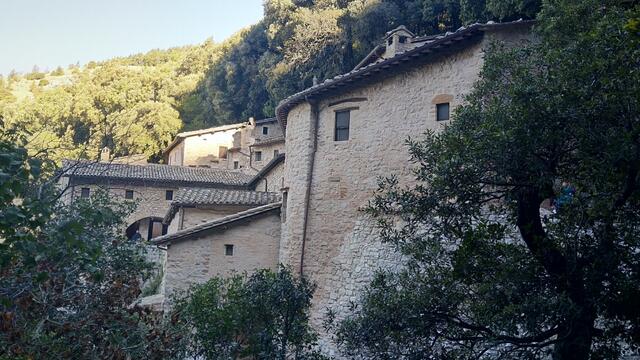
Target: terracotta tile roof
[207, 197]
[178, 175]
[364, 73]
[222, 223]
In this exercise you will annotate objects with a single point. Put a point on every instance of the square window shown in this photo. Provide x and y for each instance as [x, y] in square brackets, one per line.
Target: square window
[236, 165]
[85, 192]
[343, 120]
[228, 249]
[265, 130]
[128, 194]
[222, 152]
[168, 195]
[442, 112]
[258, 155]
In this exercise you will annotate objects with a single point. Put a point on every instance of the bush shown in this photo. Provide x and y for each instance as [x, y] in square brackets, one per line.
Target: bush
[43, 82]
[262, 316]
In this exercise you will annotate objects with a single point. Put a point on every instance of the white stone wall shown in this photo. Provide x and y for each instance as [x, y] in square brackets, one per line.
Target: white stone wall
[199, 259]
[342, 250]
[268, 153]
[273, 181]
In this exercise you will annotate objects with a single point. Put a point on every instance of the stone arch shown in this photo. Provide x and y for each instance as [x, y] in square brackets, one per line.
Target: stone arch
[148, 228]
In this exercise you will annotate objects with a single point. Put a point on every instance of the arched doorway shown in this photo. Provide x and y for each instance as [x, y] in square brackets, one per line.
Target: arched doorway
[148, 228]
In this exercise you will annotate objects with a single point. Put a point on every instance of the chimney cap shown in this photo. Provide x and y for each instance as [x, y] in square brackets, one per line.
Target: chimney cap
[399, 29]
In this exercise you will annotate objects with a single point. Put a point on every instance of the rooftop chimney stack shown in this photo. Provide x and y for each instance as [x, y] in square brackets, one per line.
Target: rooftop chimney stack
[105, 154]
[397, 41]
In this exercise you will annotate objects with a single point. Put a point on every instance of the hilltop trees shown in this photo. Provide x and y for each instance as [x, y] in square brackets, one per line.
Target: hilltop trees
[489, 274]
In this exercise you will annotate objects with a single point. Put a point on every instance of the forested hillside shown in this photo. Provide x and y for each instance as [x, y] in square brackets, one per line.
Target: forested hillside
[136, 104]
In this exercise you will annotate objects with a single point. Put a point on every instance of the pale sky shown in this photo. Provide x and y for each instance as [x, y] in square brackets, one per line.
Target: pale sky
[51, 33]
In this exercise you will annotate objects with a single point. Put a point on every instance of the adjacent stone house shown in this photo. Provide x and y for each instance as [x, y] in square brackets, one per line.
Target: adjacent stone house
[346, 132]
[152, 186]
[240, 242]
[195, 206]
[244, 147]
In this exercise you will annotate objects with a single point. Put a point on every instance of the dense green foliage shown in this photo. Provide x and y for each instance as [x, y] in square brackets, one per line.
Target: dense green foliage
[489, 274]
[67, 275]
[261, 316]
[136, 104]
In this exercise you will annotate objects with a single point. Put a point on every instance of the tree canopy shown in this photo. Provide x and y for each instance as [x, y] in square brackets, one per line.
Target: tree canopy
[136, 104]
[491, 272]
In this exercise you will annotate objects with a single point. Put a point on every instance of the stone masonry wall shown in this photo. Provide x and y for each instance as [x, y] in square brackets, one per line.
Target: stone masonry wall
[151, 201]
[197, 260]
[273, 180]
[342, 248]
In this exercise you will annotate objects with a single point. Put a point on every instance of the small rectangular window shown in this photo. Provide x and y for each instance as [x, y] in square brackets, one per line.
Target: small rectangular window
[128, 194]
[236, 165]
[228, 249]
[442, 112]
[168, 195]
[276, 152]
[265, 130]
[402, 39]
[222, 152]
[85, 192]
[343, 119]
[283, 209]
[258, 155]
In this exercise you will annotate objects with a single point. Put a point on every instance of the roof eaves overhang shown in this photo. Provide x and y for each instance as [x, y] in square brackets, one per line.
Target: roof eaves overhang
[375, 70]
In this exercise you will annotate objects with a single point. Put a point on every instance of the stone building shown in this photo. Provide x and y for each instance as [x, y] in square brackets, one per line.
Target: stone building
[245, 147]
[346, 132]
[239, 242]
[152, 186]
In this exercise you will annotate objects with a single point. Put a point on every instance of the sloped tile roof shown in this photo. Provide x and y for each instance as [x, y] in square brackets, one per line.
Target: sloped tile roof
[217, 223]
[204, 197]
[402, 60]
[178, 175]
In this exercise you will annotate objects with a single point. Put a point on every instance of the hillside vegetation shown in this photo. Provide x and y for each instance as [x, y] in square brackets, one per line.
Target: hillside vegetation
[136, 104]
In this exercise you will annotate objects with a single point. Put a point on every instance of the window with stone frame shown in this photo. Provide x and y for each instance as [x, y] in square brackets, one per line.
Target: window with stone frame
[343, 120]
[128, 194]
[236, 164]
[228, 249]
[265, 130]
[257, 156]
[85, 192]
[222, 152]
[442, 112]
[168, 195]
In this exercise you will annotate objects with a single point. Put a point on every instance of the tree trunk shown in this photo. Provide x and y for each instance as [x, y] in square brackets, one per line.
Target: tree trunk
[577, 332]
[578, 337]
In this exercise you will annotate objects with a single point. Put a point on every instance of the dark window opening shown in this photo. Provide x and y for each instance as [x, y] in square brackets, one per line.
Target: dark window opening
[442, 112]
[402, 39]
[128, 194]
[228, 249]
[236, 165]
[265, 130]
[222, 152]
[343, 120]
[258, 155]
[276, 153]
[85, 192]
[283, 209]
[390, 41]
[168, 195]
